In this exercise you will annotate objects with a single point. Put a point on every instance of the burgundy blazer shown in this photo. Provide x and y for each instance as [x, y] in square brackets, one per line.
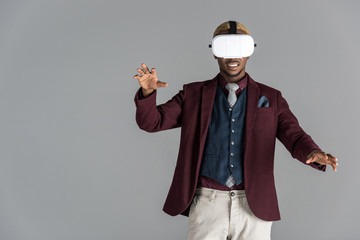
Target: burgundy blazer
[191, 110]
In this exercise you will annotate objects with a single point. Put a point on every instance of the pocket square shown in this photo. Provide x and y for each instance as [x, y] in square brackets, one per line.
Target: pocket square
[263, 102]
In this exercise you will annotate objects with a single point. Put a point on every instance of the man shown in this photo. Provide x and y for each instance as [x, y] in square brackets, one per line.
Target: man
[224, 176]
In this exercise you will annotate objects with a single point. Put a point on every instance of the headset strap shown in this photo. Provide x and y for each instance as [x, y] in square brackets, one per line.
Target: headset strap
[232, 27]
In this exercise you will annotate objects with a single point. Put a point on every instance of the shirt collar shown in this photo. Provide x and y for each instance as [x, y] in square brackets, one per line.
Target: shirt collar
[242, 83]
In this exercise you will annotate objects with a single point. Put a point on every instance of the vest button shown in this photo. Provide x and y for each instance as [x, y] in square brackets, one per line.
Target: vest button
[232, 154]
[233, 131]
[230, 109]
[231, 165]
[232, 143]
[233, 119]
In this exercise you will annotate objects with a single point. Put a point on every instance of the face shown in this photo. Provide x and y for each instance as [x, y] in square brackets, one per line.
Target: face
[232, 69]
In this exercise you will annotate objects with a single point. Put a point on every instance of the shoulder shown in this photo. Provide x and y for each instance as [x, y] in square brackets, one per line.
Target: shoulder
[272, 94]
[264, 88]
[267, 88]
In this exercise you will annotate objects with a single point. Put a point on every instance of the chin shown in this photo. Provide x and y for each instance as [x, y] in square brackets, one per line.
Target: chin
[232, 75]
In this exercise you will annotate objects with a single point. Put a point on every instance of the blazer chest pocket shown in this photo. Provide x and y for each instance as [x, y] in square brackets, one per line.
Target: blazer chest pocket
[265, 121]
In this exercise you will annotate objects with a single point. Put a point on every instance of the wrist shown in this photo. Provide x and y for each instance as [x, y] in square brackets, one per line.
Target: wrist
[147, 92]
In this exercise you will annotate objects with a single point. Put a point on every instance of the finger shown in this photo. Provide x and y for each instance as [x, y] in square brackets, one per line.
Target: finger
[161, 84]
[317, 159]
[329, 161]
[137, 77]
[332, 158]
[334, 167]
[146, 69]
[153, 71]
[310, 160]
[140, 71]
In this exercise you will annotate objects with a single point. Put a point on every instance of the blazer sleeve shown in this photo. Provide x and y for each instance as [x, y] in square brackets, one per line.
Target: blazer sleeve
[294, 138]
[153, 118]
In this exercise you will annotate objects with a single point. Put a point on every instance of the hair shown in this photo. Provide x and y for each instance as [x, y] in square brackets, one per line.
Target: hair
[224, 28]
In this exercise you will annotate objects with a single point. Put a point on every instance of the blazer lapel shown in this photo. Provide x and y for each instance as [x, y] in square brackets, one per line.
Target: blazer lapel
[207, 102]
[253, 94]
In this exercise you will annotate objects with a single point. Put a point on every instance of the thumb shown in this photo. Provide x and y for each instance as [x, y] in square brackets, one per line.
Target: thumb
[310, 160]
[161, 84]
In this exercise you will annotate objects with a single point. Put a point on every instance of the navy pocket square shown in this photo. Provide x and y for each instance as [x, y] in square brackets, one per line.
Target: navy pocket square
[263, 102]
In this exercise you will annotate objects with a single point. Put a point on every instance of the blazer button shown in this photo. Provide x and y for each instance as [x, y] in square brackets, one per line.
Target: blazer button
[232, 194]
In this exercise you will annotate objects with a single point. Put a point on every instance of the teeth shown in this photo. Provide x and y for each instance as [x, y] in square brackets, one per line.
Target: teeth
[232, 65]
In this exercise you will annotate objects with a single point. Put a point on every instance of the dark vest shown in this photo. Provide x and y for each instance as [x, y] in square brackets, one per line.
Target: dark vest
[224, 147]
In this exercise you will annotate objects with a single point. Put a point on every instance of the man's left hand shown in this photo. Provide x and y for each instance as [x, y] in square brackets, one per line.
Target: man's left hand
[322, 158]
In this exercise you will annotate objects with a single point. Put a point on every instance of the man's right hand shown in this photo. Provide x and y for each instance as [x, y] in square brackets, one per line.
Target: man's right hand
[148, 80]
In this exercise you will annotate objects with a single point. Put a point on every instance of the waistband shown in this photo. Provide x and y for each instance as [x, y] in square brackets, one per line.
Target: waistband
[208, 192]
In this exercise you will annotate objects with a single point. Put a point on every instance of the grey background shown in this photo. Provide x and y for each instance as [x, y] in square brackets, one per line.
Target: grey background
[73, 163]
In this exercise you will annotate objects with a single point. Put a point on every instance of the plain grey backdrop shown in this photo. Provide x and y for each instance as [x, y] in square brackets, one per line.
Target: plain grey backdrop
[73, 163]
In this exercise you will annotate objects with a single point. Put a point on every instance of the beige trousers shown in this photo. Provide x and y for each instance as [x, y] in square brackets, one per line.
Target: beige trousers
[221, 215]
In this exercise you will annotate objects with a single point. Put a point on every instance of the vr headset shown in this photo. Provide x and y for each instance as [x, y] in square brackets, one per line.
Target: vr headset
[232, 45]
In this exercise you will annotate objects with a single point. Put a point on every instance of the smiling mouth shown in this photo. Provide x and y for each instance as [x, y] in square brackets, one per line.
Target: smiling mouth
[233, 65]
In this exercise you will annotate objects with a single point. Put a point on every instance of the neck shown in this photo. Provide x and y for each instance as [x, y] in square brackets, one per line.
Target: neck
[233, 78]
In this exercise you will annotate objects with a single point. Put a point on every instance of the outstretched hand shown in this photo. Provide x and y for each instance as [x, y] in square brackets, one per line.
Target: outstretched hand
[322, 158]
[148, 80]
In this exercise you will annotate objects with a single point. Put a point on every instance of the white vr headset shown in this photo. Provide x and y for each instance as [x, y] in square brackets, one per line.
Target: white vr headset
[232, 45]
